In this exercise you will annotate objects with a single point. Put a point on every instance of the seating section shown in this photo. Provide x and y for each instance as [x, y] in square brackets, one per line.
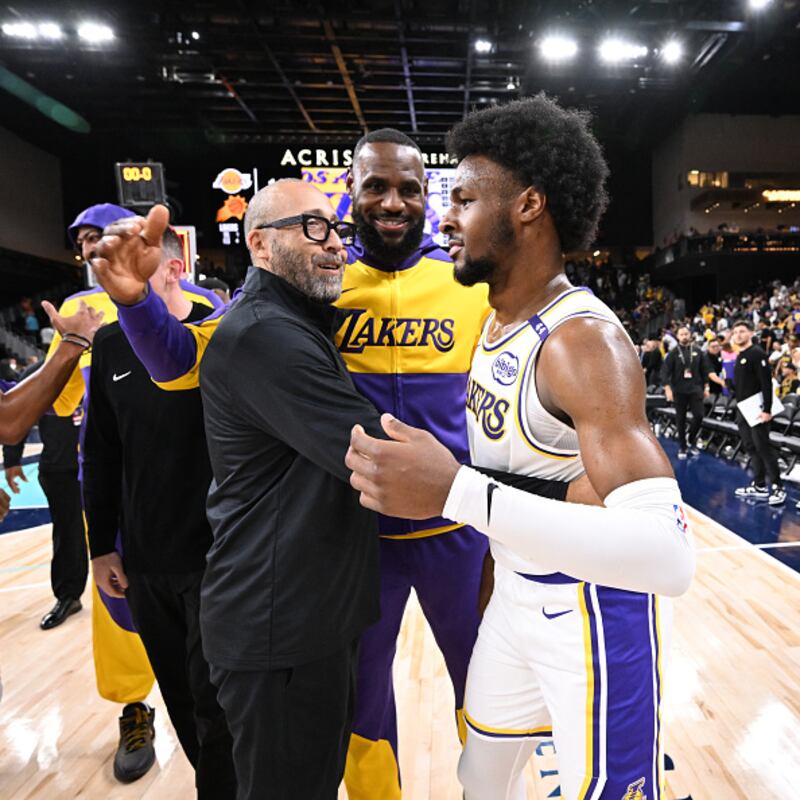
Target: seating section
[719, 433]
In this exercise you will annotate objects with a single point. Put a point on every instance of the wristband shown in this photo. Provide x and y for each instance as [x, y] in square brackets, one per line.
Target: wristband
[77, 339]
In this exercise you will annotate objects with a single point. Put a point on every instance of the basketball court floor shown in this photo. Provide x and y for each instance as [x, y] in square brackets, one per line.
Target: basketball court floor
[731, 716]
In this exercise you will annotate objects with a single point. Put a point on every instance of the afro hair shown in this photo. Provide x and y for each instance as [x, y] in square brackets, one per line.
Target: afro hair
[550, 148]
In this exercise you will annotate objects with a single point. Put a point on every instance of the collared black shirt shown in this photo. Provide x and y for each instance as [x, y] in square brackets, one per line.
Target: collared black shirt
[293, 571]
[680, 359]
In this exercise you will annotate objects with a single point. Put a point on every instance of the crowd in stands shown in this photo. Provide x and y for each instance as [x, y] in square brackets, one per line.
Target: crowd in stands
[626, 289]
[773, 309]
[700, 350]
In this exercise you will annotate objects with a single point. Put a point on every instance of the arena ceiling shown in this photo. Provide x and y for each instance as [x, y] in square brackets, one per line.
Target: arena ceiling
[246, 72]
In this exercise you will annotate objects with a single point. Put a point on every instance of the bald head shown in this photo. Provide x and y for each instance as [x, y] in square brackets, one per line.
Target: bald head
[284, 198]
[313, 265]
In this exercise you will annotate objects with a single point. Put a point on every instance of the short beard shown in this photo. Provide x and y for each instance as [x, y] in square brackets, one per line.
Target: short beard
[482, 270]
[388, 254]
[297, 270]
[474, 271]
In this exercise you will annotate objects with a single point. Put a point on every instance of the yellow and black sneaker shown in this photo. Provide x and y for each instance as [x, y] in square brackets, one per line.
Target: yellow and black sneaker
[135, 754]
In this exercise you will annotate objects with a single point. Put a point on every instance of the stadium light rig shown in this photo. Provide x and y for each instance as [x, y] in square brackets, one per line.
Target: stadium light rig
[672, 52]
[483, 46]
[615, 51]
[759, 5]
[95, 33]
[558, 48]
[20, 30]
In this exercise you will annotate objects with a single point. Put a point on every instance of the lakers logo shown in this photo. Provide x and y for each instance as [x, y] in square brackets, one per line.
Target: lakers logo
[635, 791]
[361, 331]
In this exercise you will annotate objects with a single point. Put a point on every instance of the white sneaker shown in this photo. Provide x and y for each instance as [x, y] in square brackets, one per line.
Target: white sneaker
[682, 455]
[751, 490]
[777, 495]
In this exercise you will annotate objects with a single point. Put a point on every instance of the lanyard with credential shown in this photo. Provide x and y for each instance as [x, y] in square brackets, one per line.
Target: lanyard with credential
[687, 370]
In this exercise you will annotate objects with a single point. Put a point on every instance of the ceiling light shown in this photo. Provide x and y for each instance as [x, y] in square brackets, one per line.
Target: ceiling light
[781, 195]
[558, 48]
[195, 35]
[483, 46]
[49, 30]
[613, 51]
[758, 5]
[672, 52]
[20, 30]
[95, 33]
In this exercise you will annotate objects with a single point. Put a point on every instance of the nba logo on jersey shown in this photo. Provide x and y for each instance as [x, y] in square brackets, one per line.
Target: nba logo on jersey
[635, 791]
[680, 519]
[505, 368]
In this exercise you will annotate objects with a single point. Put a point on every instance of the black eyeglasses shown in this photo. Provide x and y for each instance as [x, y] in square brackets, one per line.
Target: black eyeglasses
[316, 228]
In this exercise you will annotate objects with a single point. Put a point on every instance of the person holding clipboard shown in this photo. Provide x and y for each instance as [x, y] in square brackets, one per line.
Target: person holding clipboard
[755, 407]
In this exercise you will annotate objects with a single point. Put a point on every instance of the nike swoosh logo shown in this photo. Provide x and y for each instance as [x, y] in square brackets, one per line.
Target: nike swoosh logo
[490, 490]
[116, 377]
[348, 290]
[557, 614]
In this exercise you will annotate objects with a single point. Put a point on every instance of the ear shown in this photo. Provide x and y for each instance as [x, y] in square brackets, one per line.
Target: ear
[530, 204]
[258, 243]
[349, 181]
[174, 270]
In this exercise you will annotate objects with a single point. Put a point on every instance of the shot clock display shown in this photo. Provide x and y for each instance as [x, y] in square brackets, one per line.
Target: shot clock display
[140, 184]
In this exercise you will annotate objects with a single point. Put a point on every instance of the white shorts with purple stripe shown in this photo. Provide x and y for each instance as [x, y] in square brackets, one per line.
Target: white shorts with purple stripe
[581, 662]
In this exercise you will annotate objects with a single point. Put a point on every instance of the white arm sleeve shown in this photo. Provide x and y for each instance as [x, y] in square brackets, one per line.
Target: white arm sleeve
[640, 541]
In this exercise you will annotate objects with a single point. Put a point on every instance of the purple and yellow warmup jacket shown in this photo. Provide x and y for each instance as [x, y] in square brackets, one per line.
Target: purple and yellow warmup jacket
[122, 669]
[407, 341]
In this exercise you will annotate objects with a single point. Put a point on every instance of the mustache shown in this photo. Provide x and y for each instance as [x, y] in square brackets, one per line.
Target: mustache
[451, 240]
[329, 259]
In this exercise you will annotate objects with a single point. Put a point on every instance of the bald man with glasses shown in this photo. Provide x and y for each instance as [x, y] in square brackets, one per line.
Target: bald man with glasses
[292, 574]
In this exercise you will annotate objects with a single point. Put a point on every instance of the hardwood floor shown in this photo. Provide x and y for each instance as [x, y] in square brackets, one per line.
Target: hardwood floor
[732, 714]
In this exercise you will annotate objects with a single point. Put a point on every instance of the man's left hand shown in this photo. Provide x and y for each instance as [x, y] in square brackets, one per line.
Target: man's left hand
[409, 476]
[764, 417]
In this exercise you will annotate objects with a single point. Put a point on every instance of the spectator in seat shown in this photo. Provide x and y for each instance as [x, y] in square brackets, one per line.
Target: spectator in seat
[713, 368]
[8, 370]
[46, 336]
[32, 324]
[790, 381]
[651, 362]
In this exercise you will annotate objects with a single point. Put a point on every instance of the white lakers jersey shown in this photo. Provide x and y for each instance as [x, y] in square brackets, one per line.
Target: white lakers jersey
[508, 427]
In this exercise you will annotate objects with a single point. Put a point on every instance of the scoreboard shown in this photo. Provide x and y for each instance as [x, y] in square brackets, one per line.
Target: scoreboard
[140, 184]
